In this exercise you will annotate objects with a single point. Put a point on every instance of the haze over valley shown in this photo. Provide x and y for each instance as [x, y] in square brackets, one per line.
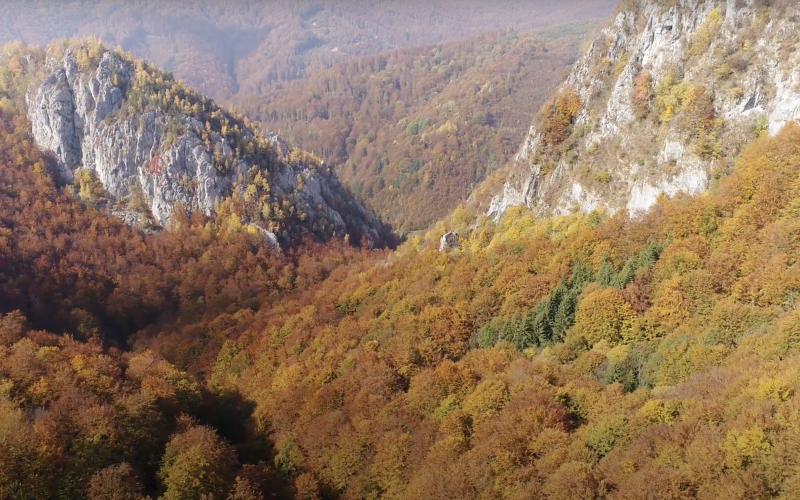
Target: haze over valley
[237, 46]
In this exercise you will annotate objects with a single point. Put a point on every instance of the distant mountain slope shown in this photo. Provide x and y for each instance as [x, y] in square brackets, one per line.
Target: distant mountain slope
[661, 102]
[412, 131]
[224, 47]
[153, 146]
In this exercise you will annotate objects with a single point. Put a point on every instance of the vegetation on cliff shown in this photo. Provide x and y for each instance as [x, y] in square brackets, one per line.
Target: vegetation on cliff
[158, 122]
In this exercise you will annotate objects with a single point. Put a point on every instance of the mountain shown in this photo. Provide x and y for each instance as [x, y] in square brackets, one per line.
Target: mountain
[234, 47]
[153, 146]
[633, 355]
[661, 102]
[412, 131]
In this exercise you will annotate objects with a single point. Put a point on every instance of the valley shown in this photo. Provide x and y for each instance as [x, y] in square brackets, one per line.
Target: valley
[412, 132]
[194, 307]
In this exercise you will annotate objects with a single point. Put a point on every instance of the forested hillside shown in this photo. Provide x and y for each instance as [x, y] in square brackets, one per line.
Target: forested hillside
[79, 417]
[569, 358]
[413, 131]
[235, 46]
[633, 355]
[82, 417]
[578, 357]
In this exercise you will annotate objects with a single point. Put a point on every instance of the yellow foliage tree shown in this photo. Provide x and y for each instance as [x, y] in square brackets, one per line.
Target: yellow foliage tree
[603, 314]
[486, 400]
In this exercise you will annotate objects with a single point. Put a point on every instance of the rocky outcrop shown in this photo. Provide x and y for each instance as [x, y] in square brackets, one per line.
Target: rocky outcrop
[742, 55]
[80, 115]
[448, 241]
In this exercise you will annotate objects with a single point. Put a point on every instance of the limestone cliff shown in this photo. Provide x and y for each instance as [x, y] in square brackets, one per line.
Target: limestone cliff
[668, 93]
[142, 134]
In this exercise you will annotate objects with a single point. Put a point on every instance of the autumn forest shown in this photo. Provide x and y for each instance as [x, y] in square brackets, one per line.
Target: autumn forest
[590, 355]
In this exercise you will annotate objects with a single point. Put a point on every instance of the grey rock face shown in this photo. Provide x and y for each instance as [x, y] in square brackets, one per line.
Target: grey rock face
[642, 158]
[76, 114]
[449, 241]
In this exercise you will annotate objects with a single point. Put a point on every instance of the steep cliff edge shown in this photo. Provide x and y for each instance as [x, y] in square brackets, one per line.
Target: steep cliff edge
[660, 102]
[148, 138]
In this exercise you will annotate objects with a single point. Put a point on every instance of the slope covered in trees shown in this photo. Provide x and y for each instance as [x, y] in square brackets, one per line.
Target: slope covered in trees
[413, 131]
[82, 418]
[578, 357]
[223, 48]
[79, 420]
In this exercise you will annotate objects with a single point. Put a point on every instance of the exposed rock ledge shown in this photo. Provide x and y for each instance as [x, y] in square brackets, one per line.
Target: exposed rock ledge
[75, 114]
[642, 160]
